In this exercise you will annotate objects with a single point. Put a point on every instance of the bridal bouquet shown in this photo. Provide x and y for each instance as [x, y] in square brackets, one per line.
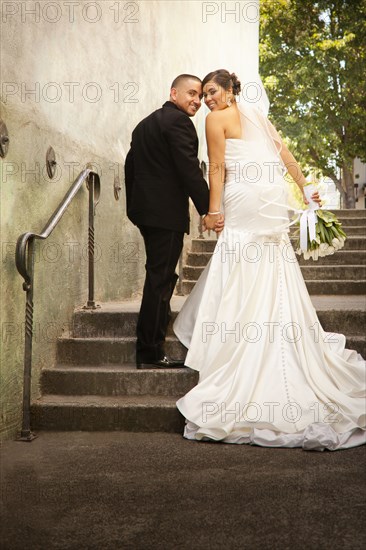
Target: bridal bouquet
[319, 233]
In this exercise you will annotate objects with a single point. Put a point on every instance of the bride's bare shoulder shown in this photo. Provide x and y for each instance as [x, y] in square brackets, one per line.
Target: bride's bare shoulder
[216, 115]
[212, 115]
[215, 118]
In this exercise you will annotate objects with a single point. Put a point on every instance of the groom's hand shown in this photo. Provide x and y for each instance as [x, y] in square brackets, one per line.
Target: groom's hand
[214, 222]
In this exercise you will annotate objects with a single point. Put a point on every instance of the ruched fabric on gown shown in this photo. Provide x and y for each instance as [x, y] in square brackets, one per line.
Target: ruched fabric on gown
[268, 373]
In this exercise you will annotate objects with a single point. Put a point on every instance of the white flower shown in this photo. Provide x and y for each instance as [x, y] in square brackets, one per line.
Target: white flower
[307, 255]
[316, 254]
[331, 250]
[342, 241]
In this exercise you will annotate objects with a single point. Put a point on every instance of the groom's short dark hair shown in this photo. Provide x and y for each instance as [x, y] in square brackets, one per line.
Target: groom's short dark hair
[181, 77]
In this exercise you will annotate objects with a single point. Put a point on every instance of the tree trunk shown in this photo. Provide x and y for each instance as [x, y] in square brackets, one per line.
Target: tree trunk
[338, 184]
[347, 184]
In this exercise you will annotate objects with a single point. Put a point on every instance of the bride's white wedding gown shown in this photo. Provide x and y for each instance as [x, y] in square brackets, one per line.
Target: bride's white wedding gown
[268, 373]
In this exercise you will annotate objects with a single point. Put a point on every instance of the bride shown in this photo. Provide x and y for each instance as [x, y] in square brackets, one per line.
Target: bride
[268, 373]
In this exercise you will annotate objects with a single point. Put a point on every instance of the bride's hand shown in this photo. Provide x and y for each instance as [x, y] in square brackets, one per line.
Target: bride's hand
[315, 197]
[219, 225]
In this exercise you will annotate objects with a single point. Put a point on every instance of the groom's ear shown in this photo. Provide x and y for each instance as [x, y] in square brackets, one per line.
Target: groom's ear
[173, 94]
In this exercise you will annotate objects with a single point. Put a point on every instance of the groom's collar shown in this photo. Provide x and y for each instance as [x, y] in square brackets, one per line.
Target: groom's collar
[171, 104]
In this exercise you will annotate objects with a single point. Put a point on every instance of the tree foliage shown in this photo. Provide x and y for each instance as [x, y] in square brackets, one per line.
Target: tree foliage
[313, 65]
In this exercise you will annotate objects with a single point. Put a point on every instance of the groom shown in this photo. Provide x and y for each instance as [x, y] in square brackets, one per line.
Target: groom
[161, 173]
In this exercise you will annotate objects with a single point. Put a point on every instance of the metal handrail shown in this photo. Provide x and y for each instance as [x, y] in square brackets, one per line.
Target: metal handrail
[24, 259]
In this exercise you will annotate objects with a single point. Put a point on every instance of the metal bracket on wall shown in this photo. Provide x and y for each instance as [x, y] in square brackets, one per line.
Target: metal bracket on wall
[4, 139]
[51, 162]
[117, 188]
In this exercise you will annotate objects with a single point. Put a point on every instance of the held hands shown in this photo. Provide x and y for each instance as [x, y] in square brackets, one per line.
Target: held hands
[214, 222]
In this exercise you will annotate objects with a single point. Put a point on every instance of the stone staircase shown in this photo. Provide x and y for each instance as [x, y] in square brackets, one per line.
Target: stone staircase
[95, 385]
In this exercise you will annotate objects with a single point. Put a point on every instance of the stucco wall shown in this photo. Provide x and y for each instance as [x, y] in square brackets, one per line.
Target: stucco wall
[79, 76]
[359, 175]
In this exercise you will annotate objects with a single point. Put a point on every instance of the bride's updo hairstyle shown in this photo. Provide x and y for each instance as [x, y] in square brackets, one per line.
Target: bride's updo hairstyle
[224, 79]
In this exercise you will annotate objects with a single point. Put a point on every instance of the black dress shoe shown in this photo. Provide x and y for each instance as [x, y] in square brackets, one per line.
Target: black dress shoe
[163, 363]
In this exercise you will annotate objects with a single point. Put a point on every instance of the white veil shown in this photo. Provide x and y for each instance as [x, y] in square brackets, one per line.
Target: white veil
[253, 105]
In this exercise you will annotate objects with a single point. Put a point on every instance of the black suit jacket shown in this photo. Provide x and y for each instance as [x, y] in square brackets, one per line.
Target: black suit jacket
[162, 171]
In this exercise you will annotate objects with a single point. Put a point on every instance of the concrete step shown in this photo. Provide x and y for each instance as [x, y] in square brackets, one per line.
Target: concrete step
[350, 223]
[203, 245]
[312, 272]
[344, 321]
[198, 258]
[333, 272]
[342, 257]
[106, 351]
[314, 287]
[350, 213]
[116, 380]
[336, 287]
[355, 230]
[109, 321]
[144, 413]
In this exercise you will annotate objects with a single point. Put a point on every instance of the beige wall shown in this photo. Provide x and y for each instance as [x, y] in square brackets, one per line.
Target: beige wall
[359, 169]
[79, 76]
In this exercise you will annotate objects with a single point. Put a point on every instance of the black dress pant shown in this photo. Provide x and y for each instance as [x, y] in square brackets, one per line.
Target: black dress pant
[163, 248]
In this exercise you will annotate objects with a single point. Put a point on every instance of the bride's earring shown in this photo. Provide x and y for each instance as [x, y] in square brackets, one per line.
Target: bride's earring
[229, 103]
